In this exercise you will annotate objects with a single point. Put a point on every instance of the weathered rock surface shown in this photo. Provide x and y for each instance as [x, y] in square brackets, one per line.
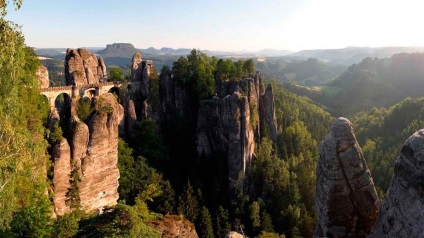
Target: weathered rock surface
[173, 97]
[347, 202]
[174, 226]
[99, 179]
[130, 117]
[43, 76]
[83, 67]
[61, 157]
[140, 72]
[92, 152]
[224, 125]
[136, 67]
[402, 210]
[229, 123]
[268, 112]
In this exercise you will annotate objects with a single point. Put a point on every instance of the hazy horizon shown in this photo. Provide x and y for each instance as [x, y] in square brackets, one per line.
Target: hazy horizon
[221, 26]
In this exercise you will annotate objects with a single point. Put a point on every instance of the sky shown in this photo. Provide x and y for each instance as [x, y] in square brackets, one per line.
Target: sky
[229, 25]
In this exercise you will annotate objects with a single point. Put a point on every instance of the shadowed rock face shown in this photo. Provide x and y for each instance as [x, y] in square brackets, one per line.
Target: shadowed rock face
[268, 112]
[83, 67]
[347, 202]
[224, 125]
[229, 123]
[402, 210]
[43, 76]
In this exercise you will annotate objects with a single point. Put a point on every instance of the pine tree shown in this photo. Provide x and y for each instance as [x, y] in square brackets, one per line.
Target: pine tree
[222, 226]
[204, 226]
[188, 203]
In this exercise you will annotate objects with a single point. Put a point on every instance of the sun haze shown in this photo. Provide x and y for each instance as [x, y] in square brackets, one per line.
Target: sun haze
[222, 25]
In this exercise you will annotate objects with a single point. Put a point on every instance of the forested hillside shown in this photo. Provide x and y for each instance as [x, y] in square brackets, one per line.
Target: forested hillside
[381, 133]
[371, 83]
[309, 72]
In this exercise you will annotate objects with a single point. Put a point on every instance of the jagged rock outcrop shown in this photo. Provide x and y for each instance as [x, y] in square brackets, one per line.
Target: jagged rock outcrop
[347, 202]
[224, 125]
[99, 178]
[83, 67]
[141, 72]
[136, 67]
[268, 112]
[229, 123]
[402, 210]
[171, 226]
[61, 158]
[42, 76]
[173, 97]
[91, 151]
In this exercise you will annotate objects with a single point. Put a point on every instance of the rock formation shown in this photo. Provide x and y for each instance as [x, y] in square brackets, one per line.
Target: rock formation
[268, 112]
[43, 76]
[141, 72]
[61, 157]
[402, 210]
[224, 125]
[174, 226]
[229, 123]
[83, 67]
[347, 202]
[100, 174]
[91, 151]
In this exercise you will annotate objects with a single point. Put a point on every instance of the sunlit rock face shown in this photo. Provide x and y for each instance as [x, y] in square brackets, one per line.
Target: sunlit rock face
[42, 76]
[402, 210]
[83, 67]
[347, 202]
[89, 152]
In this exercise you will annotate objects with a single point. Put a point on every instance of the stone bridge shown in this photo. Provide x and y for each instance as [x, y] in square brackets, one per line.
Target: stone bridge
[81, 91]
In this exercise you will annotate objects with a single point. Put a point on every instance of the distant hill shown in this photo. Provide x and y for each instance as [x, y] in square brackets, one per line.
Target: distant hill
[353, 55]
[310, 72]
[372, 83]
[121, 50]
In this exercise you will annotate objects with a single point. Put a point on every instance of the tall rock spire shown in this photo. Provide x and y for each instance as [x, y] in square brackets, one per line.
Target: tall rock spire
[347, 202]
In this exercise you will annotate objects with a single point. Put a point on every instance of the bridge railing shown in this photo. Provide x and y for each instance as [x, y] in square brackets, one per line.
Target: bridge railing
[94, 85]
[58, 88]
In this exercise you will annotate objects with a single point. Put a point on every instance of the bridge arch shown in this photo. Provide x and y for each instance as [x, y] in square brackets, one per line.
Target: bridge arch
[117, 92]
[63, 105]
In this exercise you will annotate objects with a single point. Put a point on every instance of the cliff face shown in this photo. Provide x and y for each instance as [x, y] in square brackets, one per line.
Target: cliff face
[91, 152]
[224, 125]
[230, 123]
[83, 67]
[347, 202]
[402, 210]
[141, 73]
[43, 76]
